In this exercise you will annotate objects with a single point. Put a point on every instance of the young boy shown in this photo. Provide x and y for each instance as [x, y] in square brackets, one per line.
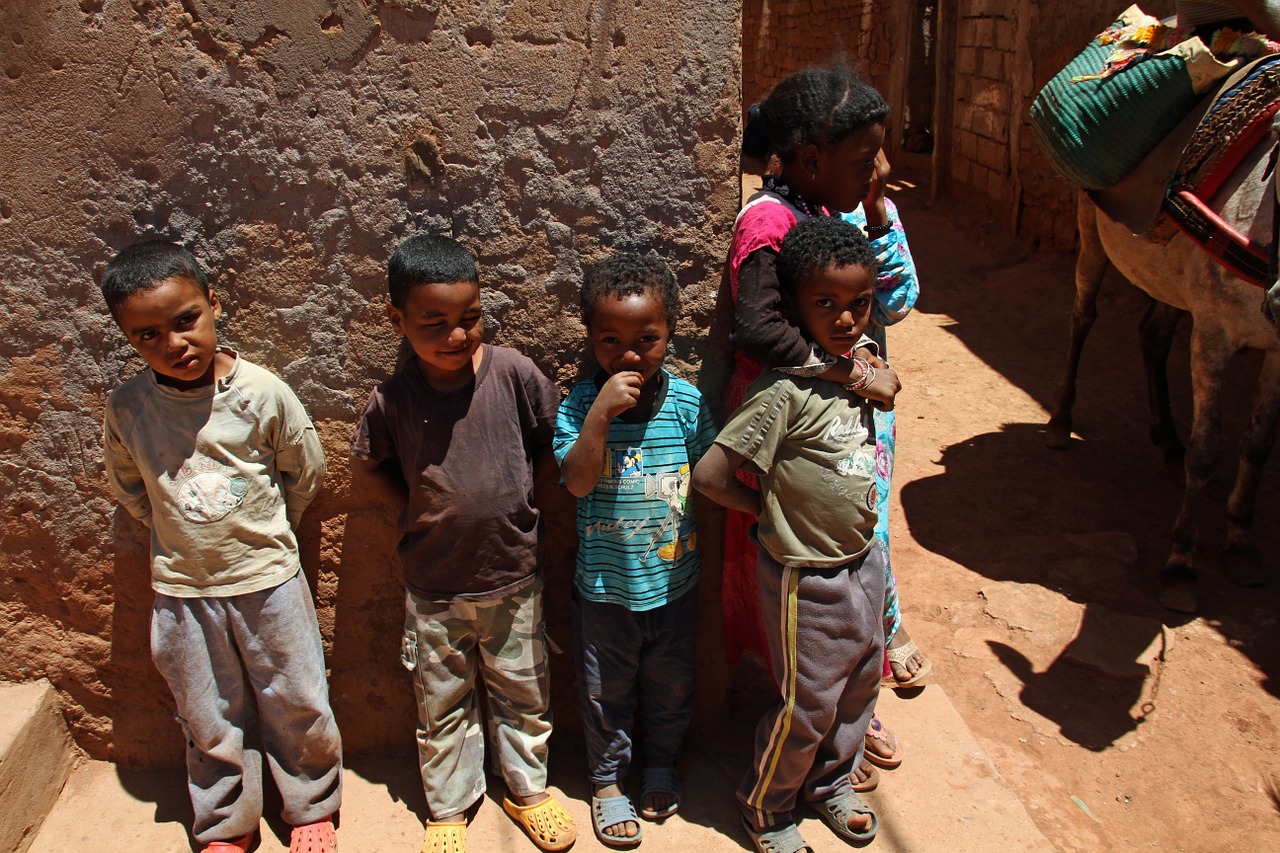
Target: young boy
[626, 439]
[219, 459]
[820, 573]
[452, 440]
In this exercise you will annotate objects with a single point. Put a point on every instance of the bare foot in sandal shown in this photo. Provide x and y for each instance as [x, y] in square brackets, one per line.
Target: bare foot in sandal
[882, 747]
[656, 804]
[906, 662]
[623, 829]
[865, 777]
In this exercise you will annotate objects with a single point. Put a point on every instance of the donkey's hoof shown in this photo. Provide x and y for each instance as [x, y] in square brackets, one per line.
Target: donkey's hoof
[1178, 592]
[1243, 567]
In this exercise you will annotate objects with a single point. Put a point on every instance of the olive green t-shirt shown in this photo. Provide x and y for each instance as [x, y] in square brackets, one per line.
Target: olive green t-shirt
[812, 445]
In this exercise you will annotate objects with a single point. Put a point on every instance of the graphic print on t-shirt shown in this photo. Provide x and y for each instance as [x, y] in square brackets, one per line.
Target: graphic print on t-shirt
[860, 462]
[627, 475]
[626, 462]
[205, 491]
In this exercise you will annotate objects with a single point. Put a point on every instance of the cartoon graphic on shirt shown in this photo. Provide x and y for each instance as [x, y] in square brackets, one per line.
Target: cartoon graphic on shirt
[626, 462]
[860, 463]
[626, 466]
[674, 489]
[210, 495]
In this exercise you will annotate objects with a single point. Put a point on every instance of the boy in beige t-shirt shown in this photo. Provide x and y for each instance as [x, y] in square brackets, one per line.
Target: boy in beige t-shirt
[219, 459]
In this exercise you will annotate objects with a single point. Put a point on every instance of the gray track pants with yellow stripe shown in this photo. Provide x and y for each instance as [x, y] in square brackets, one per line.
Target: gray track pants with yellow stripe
[826, 639]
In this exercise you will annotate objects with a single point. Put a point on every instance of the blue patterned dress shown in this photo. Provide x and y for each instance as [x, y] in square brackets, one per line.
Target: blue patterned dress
[896, 290]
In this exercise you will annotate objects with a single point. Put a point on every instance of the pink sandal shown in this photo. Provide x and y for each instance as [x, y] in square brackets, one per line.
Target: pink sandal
[318, 837]
[885, 740]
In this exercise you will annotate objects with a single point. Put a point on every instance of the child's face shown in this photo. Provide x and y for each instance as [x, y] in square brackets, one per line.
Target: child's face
[172, 328]
[443, 324]
[832, 306]
[630, 334]
[843, 172]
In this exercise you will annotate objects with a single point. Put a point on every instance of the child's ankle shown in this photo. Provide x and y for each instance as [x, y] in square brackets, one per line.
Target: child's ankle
[607, 789]
[527, 799]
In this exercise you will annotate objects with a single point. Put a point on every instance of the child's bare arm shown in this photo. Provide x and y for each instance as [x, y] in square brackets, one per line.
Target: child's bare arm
[384, 479]
[873, 205]
[584, 462]
[714, 477]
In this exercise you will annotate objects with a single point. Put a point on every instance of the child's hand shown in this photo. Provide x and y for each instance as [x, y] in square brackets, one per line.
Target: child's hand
[885, 387]
[620, 393]
[873, 204]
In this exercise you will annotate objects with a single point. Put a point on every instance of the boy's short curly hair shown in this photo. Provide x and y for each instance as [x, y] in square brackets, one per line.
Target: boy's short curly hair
[428, 259]
[627, 274]
[819, 106]
[820, 242]
[143, 266]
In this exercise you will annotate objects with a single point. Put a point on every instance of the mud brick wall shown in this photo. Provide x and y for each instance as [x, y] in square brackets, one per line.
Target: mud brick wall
[985, 58]
[1005, 51]
[783, 36]
[292, 146]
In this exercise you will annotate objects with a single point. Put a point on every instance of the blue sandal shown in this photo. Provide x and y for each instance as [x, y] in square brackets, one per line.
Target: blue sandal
[784, 839]
[837, 811]
[659, 780]
[611, 811]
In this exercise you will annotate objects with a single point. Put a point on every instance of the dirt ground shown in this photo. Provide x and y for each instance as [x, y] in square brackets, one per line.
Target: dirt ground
[1027, 574]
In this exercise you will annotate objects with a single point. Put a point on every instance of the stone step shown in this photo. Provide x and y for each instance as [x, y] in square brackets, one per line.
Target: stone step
[36, 754]
[946, 796]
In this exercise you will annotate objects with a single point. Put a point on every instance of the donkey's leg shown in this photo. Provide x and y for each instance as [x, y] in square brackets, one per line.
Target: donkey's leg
[1156, 334]
[1210, 351]
[1242, 561]
[1091, 265]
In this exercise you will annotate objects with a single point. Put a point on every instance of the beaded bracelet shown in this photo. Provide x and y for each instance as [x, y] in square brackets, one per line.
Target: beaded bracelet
[867, 379]
[874, 231]
[868, 375]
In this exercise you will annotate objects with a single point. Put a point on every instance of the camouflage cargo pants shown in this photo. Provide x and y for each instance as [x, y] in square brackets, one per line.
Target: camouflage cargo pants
[460, 654]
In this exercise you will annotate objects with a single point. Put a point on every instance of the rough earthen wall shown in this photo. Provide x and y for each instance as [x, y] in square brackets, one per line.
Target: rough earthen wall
[292, 146]
[782, 36]
[1046, 209]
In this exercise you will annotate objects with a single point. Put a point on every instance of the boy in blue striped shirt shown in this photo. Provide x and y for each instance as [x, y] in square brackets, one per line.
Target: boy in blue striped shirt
[626, 440]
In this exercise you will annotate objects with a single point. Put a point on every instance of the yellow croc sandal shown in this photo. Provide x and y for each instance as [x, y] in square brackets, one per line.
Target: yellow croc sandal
[549, 826]
[445, 838]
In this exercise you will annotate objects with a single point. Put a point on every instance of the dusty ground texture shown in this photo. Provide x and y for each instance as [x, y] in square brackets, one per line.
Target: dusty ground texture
[1028, 574]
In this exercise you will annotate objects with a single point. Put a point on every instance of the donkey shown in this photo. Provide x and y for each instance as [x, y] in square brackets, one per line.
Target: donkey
[1225, 315]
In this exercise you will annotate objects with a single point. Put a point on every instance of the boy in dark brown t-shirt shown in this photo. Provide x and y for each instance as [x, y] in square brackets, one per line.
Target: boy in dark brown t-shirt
[452, 439]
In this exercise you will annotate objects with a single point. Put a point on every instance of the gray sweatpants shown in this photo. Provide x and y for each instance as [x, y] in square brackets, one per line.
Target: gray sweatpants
[248, 676]
[826, 640]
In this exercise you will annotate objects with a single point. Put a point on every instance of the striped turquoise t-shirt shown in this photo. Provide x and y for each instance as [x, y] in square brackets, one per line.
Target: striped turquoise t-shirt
[637, 546]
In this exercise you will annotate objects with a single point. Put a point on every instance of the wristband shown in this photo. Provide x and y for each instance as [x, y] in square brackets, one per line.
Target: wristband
[874, 231]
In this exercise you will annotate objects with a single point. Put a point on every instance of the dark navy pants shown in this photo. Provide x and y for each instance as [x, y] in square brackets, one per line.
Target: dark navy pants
[632, 661]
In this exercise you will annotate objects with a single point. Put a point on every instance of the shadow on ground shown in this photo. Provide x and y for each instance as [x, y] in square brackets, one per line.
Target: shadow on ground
[1002, 503]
